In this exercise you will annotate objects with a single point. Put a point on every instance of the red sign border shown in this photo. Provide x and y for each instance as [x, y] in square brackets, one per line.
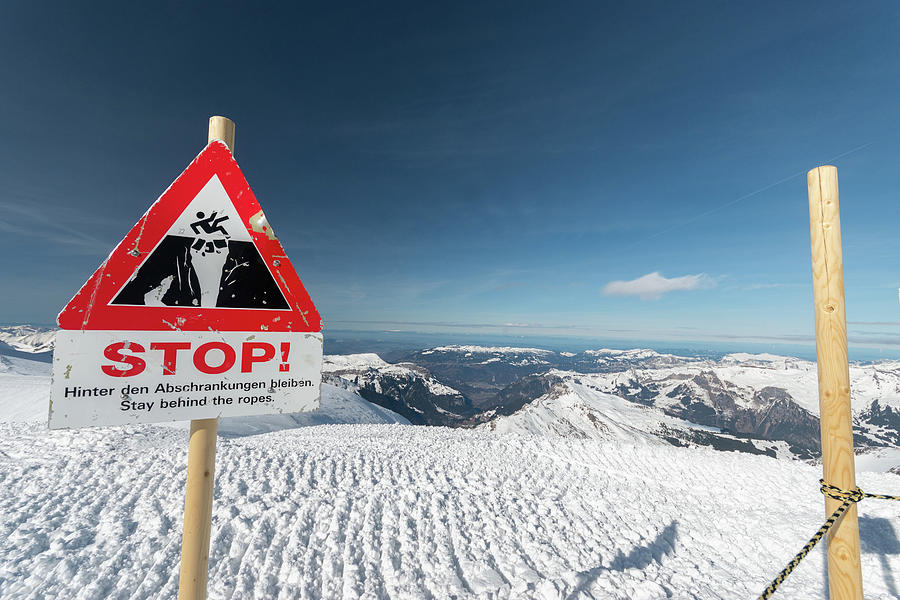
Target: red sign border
[90, 309]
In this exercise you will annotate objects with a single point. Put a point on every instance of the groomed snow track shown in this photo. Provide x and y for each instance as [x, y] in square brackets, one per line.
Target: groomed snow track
[392, 511]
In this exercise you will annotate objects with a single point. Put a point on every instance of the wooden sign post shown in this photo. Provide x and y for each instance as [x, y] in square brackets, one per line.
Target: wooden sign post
[844, 572]
[168, 328]
[201, 468]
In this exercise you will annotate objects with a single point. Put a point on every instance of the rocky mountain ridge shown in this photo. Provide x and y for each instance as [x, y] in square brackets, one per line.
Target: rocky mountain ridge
[739, 401]
[405, 388]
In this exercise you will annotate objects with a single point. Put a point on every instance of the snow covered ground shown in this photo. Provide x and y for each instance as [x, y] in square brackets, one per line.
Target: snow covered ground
[394, 511]
[390, 511]
[24, 389]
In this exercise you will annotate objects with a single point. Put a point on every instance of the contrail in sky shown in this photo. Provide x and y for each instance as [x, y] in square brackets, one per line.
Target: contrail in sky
[746, 196]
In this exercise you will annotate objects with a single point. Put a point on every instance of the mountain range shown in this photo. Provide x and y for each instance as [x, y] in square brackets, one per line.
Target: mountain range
[754, 403]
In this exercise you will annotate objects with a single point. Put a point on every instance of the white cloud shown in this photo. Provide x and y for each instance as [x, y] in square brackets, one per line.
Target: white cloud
[653, 285]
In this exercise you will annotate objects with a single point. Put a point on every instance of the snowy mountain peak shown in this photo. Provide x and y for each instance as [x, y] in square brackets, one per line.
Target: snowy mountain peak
[765, 360]
[368, 360]
[635, 353]
[358, 363]
[28, 338]
[405, 388]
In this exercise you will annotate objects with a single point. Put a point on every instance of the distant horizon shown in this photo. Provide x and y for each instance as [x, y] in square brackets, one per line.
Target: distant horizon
[410, 339]
[686, 346]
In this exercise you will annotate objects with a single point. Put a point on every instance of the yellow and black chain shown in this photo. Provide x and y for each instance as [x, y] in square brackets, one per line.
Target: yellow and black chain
[847, 497]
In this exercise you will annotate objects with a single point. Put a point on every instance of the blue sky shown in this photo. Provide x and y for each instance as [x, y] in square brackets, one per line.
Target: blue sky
[483, 167]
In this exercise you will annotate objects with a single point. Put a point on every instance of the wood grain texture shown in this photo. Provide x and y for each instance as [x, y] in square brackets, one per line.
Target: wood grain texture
[201, 468]
[198, 500]
[844, 572]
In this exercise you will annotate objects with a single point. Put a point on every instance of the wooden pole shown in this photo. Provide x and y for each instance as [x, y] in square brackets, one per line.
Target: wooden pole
[844, 572]
[222, 128]
[201, 468]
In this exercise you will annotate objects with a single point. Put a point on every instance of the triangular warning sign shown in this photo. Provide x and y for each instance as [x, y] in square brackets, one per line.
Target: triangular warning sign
[202, 258]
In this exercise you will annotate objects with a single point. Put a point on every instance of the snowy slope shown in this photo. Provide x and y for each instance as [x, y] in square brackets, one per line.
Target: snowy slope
[573, 410]
[362, 511]
[11, 365]
[24, 389]
[576, 408]
[879, 459]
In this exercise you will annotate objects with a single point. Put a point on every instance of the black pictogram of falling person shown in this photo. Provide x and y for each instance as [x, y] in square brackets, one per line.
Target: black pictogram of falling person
[209, 225]
[245, 281]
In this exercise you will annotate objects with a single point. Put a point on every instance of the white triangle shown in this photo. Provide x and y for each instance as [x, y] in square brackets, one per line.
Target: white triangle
[211, 221]
[211, 199]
